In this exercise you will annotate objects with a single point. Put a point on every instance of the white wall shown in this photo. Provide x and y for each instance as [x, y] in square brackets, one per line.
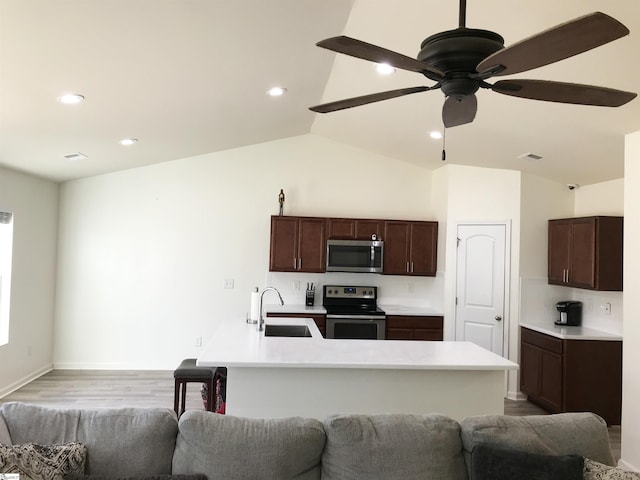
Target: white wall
[144, 253]
[480, 194]
[631, 350]
[34, 203]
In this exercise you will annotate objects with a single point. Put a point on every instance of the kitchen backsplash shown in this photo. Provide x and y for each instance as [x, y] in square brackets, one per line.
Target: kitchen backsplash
[392, 290]
[538, 304]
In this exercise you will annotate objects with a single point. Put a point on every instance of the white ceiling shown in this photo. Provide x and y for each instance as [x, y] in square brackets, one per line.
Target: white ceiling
[189, 77]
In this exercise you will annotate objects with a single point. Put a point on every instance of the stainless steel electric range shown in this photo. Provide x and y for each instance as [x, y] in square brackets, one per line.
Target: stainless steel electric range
[353, 312]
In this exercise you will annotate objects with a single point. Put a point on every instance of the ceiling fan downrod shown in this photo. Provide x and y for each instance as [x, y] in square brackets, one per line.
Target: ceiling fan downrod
[463, 14]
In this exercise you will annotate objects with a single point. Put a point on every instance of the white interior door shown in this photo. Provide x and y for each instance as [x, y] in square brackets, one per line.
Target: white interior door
[480, 285]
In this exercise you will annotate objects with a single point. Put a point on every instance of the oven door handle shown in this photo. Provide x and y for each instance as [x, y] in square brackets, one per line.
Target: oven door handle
[355, 317]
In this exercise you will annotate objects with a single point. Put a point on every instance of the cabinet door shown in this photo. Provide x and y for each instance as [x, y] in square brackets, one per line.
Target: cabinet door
[311, 245]
[283, 256]
[341, 228]
[423, 248]
[529, 369]
[582, 269]
[399, 334]
[551, 380]
[396, 247]
[559, 249]
[366, 228]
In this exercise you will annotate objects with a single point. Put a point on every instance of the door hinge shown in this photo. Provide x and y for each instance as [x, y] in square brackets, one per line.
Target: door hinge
[458, 242]
[456, 300]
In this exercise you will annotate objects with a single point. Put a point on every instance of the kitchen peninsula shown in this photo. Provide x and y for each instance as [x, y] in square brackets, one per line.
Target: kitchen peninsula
[269, 376]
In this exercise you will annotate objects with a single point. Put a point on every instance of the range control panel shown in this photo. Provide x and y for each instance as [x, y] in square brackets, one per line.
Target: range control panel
[341, 291]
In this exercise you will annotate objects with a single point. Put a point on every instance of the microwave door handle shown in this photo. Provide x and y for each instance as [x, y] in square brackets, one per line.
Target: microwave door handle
[373, 256]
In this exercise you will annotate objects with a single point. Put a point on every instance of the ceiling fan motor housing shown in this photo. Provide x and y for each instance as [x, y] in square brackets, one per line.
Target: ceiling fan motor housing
[457, 53]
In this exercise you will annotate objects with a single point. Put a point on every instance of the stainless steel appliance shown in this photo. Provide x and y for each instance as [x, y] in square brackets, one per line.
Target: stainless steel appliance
[570, 313]
[363, 256]
[353, 312]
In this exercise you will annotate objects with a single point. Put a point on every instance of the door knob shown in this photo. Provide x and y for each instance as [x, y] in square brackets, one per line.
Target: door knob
[498, 318]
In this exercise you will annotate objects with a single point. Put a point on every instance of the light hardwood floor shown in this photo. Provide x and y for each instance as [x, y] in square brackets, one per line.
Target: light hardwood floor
[119, 388]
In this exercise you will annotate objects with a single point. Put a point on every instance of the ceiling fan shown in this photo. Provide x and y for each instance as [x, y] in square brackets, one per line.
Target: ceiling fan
[460, 61]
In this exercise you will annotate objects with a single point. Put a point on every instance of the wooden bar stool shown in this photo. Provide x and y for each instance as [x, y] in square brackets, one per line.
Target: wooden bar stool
[189, 372]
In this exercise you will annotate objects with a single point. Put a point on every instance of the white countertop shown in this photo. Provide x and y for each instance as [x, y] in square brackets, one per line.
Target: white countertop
[388, 309]
[238, 344]
[571, 333]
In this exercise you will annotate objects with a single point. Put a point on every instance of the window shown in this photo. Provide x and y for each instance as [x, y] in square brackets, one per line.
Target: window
[6, 243]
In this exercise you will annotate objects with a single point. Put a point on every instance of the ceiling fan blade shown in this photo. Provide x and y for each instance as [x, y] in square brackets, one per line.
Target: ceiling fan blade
[564, 92]
[363, 100]
[459, 110]
[367, 51]
[555, 44]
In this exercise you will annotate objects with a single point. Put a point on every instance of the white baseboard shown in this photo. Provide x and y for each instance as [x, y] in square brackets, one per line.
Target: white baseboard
[112, 366]
[518, 396]
[25, 380]
[627, 466]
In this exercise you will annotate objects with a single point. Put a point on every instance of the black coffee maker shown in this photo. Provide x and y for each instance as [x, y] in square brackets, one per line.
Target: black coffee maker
[570, 313]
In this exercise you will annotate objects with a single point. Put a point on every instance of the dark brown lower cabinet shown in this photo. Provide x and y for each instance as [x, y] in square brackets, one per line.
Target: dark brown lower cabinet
[321, 320]
[410, 327]
[563, 375]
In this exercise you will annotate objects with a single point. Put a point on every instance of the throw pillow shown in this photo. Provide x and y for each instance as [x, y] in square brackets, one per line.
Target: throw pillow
[598, 471]
[491, 463]
[43, 462]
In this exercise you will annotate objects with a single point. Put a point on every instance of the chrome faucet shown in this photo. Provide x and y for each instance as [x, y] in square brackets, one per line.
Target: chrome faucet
[261, 318]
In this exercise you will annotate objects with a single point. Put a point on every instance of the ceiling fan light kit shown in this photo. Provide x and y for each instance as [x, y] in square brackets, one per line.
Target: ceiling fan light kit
[461, 61]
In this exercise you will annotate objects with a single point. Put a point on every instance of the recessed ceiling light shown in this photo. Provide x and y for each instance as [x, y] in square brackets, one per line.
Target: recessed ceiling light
[436, 135]
[128, 141]
[385, 69]
[276, 91]
[70, 98]
[76, 156]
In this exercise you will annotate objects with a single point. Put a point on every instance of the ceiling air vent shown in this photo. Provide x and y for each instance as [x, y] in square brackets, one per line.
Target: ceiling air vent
[76, 156]
[529, 156]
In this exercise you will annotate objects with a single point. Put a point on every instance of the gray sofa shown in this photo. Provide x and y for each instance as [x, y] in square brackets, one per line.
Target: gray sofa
[143, 442]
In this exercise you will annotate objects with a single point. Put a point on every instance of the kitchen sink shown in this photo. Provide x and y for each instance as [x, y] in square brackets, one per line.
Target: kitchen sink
[271, 330]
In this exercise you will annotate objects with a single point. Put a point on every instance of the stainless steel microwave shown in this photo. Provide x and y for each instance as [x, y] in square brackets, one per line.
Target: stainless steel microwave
[364, 256]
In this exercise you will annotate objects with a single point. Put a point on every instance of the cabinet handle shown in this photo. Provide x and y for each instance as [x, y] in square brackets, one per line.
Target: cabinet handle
[300, 263]
[295, 263]
[411, 267]
[408, 267]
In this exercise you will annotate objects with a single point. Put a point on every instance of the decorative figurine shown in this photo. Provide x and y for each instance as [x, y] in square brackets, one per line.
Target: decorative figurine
[281, 201]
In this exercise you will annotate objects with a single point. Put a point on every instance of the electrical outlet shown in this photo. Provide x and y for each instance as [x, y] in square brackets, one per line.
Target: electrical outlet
[198, 341]
[228, 283]
[606, 308]
[296, 284]
[411, 288]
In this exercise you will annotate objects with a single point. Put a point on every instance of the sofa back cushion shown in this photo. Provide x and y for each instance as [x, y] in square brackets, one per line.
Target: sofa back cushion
[120, 441]
[392, 446]
[583, 434]
[227, 447]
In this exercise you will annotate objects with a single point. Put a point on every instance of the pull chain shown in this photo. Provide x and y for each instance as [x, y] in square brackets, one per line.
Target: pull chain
[444, 139]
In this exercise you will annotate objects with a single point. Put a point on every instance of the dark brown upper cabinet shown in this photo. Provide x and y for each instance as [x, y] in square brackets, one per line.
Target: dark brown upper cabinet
[410, 248]
[297, 244]
[354, 228]
[586, 252]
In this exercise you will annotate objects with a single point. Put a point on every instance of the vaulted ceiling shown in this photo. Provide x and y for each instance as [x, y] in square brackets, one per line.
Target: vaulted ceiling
[188, 77]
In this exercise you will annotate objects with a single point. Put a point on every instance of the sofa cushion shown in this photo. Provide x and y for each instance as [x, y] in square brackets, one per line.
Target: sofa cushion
[120, 442]
[4, 432]
[43, 462]
[583, 434]
[227, 447]
[392, 446]
[491, 463]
